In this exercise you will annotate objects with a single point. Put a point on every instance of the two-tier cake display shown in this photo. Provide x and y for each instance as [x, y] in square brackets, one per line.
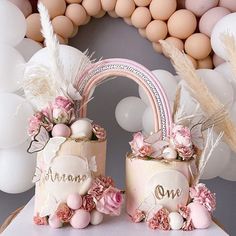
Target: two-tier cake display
[162, 170]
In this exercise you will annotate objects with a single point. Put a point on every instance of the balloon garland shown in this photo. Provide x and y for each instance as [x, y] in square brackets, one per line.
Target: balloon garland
[187, 24]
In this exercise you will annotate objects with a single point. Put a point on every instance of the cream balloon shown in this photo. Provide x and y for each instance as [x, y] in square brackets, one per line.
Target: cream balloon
[223, 26]
[12, 24]
[28, 47]
[217, 162]
[143, 96]
[229, 172]
[17, 168]
[218, 85]
[23, 5]
[11, 68]
[168, 82]
[129, 112]
[14, 115]
[69, 56]
[148, 121]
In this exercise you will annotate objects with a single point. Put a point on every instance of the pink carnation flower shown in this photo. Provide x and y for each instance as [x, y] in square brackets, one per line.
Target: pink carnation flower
[139, 146]
[160, 220]
[40, 220]
[99, 132]
[110, 202]
[201, 194]
[63, 110]
[188, 225]
[88, 203]
[138, 216]
[64, 213]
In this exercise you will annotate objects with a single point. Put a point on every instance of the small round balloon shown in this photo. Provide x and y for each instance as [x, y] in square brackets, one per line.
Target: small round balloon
[17, 168]
[229, 172]
[14, 115]
[11, 68]
[129, 112]
[223, 26]
[27, 48]
[12, 24]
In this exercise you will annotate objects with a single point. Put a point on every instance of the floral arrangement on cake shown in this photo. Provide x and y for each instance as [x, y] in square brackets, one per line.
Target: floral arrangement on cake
[80, 211]
[55, 122]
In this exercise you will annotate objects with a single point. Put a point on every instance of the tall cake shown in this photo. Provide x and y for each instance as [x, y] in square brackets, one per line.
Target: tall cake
[162, 170]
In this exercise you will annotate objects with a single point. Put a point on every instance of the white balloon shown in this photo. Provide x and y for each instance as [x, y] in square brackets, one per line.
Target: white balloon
[14, 115]
[11, 68]
[28, 47]
[143, 96]
[12, 24]
[226, 71]
[17, 169]
[148, 121]
[218, 85]
[69, 56]
[218, 161]
[223, 26]
[229, 172]
[129, 112]
[233, 113]
[168, 82]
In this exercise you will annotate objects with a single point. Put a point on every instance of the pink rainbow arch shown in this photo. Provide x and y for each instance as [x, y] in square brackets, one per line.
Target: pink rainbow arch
[102, 70]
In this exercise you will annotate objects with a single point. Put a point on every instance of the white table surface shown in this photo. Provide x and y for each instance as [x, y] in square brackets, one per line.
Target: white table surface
[111, 226]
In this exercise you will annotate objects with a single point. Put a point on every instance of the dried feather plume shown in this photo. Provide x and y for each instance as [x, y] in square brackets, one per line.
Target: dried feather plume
[209, 103]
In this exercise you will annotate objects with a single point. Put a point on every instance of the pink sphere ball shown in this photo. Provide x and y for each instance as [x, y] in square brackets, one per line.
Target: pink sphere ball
[199, 215]
[24, 6]
[230, 4]
[199, 7]
[54, 222]
[61, 130]
[74, 201]
[80, 219]
[217, 60]
[210, 18]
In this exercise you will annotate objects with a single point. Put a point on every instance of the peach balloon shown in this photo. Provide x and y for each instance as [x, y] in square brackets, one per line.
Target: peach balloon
[192, 46]
[182, 24]
[74, 1]
[156, 30]
[157, 47]
[76, 13]
[63, 26]
[23, 5]
[141, 17]
[210, 18]
[113, 14]
[205, 63]
[88, 18]
[62, 40]
[75, 31]
[162, 9]
[34, 27]
[55, 7]
[108, 5]
[142, 32]
[178, 43]
[92, 7]
[217, 60]
[124, 8]
[142, 3]
[199, 7]
[128, 21]
[230, 4]
[100, 14]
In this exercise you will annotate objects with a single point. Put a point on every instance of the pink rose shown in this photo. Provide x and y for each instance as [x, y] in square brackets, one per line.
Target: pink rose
[201, 194]
[181, 136]
[185, 152]
[64, 213]
[88, 203]
[63, 110]
[138, 216]
[139, 147]
[110, 202]
[99, 132]
[37, 120]
[40, 220]
[160, 220]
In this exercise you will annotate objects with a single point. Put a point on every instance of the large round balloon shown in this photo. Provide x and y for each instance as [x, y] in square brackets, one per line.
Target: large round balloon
[148, 121]
[129, 112]
[17, 169]
[24, 6]
[218, 161]
[217, 85]
[11, 68]
[223, 26]
[12, 24]
[69, 56]
[28, 47]
[229, 172]
[14, 115]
